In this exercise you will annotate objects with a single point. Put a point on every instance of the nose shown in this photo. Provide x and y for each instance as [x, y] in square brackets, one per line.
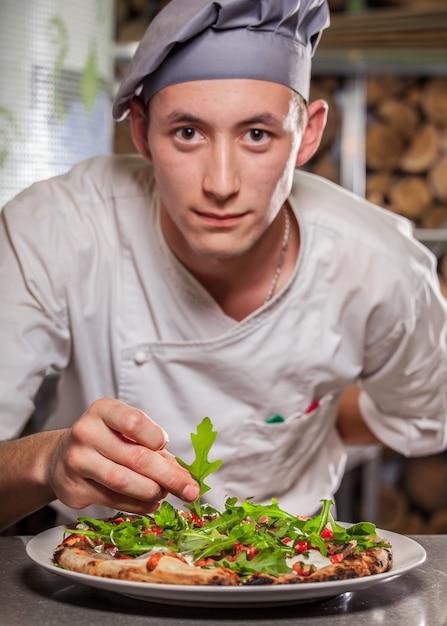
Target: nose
[222, 175]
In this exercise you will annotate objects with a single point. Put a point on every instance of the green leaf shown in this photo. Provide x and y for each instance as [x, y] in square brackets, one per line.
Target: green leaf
[272, 511]
[167, 517]
[270, 561]
[201, 467]
[362, 528]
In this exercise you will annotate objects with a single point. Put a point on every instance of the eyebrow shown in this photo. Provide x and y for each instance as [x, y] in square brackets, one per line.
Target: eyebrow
[180, 116]
[266, 119]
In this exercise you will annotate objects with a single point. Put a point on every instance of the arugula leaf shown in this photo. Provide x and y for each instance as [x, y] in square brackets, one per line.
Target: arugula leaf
[270, 561]
[167, 517]
[362, 528]
[272, 511]
[200, 468]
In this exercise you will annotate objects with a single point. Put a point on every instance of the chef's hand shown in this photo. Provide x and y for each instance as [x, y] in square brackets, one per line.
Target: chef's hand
[115, 455]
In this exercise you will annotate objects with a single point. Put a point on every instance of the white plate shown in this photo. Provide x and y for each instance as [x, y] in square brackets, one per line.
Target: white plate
[407, 555]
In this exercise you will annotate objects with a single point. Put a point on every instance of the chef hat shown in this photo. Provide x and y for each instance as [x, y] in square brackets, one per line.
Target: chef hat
[188, 40]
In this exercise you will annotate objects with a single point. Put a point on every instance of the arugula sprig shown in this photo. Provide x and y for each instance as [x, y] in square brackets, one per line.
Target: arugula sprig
[201, 467]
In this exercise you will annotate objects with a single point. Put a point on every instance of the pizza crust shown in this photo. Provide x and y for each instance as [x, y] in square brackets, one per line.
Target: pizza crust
[167, 567]
[373, 561]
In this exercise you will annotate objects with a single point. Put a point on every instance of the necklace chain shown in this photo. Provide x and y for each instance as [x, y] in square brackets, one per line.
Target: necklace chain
[285, 245]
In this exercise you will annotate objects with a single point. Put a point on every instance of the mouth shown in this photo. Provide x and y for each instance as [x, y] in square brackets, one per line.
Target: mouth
[220, 219]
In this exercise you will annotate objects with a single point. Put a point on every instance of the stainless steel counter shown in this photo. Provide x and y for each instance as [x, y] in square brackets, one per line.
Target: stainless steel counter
[31, 595]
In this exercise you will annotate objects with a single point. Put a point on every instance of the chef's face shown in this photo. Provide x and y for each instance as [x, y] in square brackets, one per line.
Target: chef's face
[224, 154]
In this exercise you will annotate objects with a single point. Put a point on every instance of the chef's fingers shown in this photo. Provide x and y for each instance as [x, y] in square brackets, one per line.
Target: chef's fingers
[130, 422]
[88, 478]
[164, 471]
[95, 452]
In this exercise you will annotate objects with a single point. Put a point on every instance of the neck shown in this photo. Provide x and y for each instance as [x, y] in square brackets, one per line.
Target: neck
[242, 284]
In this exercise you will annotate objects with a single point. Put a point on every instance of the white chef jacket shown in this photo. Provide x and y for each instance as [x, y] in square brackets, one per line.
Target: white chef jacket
[90, 287]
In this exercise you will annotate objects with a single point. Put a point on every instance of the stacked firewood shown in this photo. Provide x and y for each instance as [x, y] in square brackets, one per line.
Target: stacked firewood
[416, 503]
[406, 159]
[406, 147]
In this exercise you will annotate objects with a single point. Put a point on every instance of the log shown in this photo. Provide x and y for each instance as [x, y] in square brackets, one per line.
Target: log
[327, 84]
[422, 152]
[395, 513]
[443, 285]
[400, 115]
[326, 166]
[442, 275]
[392, 508]
[377, 186]
[435, 217]
[413, 96]
[379, 88]
[437, 179]
[377, 198]
[425, 480]
[384, 147]
[410, 196]
[434, 100]
[443, 267]
[442, 139]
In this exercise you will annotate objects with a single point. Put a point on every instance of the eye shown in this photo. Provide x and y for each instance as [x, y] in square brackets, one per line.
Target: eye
[257, 136]
[188, 133]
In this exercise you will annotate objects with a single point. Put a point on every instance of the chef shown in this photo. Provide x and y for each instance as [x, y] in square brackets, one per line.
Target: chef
[211, 276]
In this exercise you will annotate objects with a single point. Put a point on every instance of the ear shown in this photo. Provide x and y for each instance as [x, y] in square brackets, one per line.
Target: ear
[317, 112]
[138, 127]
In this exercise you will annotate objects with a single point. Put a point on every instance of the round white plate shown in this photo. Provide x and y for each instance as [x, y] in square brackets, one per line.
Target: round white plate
[407, 555]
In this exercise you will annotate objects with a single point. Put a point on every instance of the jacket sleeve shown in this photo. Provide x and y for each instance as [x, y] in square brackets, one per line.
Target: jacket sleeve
[33, 318]
[404, 388]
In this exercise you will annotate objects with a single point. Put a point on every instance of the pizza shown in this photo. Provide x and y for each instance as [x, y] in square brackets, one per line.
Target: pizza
[244, 544]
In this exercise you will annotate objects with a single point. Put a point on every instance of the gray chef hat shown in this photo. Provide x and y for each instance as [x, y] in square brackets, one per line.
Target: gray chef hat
[188, 40]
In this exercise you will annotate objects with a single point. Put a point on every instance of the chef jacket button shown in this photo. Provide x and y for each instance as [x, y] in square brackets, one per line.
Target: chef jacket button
[140, 357]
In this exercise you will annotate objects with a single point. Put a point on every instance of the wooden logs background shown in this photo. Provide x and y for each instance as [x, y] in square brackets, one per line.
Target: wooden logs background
[406, 147]
[416, 502]
[406, 144]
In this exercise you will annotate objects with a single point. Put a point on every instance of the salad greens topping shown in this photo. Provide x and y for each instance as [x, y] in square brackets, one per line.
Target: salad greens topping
[245, 537]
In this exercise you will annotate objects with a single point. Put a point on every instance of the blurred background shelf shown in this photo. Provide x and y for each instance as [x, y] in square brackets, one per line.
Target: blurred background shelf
[373, 61]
